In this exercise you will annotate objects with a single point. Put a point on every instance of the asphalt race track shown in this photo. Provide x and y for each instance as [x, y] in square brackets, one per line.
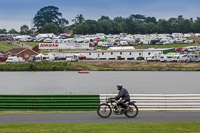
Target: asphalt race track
[143, 117]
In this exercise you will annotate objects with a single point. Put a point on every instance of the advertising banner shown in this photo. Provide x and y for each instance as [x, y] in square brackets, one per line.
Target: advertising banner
[64, 46]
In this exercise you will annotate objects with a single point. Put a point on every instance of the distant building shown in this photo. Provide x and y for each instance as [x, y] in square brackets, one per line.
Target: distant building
[25, 53]
[130, 54]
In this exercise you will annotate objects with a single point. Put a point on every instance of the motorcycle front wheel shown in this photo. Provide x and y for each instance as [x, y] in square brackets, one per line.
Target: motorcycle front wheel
[104, 110]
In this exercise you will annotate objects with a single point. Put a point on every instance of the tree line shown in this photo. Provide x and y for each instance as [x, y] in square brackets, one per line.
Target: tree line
[138, 24]
[49, 20]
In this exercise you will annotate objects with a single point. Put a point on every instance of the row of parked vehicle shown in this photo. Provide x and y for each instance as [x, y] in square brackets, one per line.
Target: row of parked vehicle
[175, 58]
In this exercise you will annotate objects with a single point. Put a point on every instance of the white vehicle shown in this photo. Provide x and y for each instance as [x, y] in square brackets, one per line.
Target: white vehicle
[57, 41]
[39, 39]
[123, 43]
[42, 58]
[15, 59]
[193, 58]
[104, 44]
[153, 58]
[176, 58]
[183, 58]
[72, 58]
[45, 36]
[166, 58]
[48, 40]
[192, 48]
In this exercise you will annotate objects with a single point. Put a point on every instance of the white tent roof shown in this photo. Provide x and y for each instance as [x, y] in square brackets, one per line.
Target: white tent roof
[122, 48]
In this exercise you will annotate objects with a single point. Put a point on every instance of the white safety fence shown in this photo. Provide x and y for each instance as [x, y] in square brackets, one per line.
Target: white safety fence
[163, 102]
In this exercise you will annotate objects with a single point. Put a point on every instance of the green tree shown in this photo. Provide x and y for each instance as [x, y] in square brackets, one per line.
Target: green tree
[79, 19]
[104, 18]
[105, 26]
[138, 24]
[50, 28]
[13, 31]
[131, 25]
[3, 31]
[196, 25]
[175, 27]
[181, 21]
[119, 19]
[187, 26]
[24, 30]
[49, 14]
[163, 26]
[92, 25]
[151, 19]
[151, 28]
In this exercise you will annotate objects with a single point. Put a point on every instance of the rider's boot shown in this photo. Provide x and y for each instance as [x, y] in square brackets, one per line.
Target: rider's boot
[127, 107]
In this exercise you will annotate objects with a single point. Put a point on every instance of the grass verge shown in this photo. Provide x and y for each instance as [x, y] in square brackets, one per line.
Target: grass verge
[101, 66]
[165, 46]
[32, 44]
[5, 46]
[48, 66]
[103, 128]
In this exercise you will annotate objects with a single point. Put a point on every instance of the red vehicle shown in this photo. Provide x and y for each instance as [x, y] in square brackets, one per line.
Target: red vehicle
[83, 72]
[81, 57]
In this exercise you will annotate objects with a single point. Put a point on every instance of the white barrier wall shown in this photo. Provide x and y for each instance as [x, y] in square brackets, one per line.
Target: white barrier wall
[163, 102]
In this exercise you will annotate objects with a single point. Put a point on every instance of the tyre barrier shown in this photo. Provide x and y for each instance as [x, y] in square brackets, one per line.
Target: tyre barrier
[149, 102]
[49, 102]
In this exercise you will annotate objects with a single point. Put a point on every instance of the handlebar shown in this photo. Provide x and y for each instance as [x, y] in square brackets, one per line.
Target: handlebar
[110, 100]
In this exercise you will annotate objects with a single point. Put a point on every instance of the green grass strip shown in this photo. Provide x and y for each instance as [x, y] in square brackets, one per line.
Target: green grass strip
[103, 128]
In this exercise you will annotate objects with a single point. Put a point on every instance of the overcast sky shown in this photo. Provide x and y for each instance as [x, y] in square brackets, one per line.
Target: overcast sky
[15, 13]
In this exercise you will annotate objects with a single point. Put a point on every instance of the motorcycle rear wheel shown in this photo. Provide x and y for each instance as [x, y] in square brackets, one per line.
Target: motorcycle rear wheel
[132, 112]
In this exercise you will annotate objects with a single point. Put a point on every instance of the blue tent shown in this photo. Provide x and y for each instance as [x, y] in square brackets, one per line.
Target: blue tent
[170, 36]
[1, 55]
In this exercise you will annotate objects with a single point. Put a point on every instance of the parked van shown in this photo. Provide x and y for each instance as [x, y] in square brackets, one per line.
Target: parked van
[14, 59]
[193, 58]
[183, 58]
[72, 58]
[176, 58]
[166, 58]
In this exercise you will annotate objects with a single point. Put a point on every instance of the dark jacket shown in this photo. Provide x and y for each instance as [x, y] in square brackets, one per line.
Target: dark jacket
[123, 93]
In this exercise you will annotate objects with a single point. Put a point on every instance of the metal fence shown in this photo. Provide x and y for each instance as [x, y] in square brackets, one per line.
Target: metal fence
[163, 102]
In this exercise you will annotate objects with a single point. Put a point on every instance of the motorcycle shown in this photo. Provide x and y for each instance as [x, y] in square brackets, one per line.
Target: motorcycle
[104, 110]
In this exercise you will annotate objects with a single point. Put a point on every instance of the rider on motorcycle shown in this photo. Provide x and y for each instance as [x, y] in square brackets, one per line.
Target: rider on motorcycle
[123, 93]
